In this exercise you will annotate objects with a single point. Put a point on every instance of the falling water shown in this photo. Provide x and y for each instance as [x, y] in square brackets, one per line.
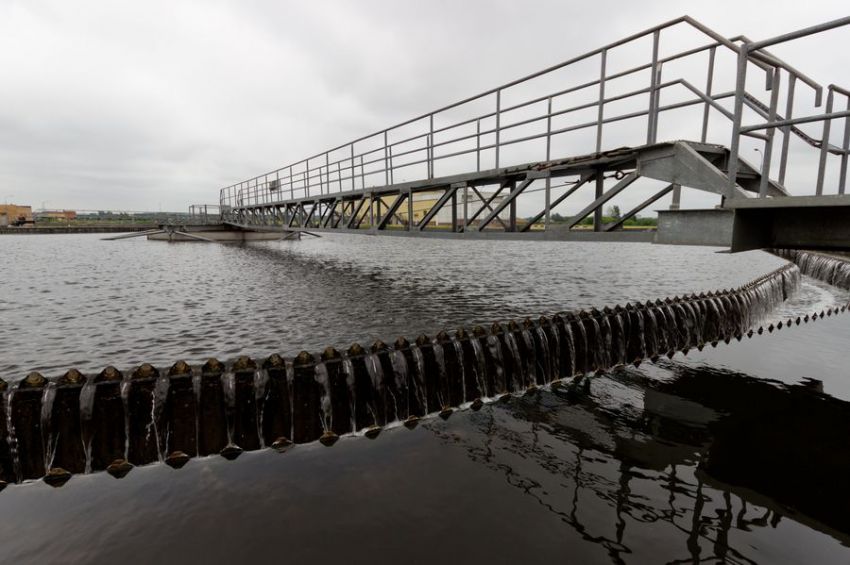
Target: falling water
[481, 367]
[402, 376]
[12, 438]
[545, 364]
[348, 370]
[326, 416]
[261, 379]
[160, 397]
[537, 352]
[443, 378]
[86, 412]
[494, 346]
[459, 352]
[228, 385]
[47, 398]
[517, 363]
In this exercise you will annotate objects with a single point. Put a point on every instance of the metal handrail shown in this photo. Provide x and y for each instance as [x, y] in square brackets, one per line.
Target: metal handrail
[750, 48]
[386, 158]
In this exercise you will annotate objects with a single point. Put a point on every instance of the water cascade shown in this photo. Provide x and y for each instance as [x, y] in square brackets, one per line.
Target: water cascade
[114, 421]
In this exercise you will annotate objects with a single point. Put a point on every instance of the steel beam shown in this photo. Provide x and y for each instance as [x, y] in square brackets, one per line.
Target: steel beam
[634, 211]
[391, 210]
[603, 198]
[582, 180]
[484, 204]
[450, 190]
[510, 200]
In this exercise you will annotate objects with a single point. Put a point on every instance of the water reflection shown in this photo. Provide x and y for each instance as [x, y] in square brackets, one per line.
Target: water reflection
[704, 460]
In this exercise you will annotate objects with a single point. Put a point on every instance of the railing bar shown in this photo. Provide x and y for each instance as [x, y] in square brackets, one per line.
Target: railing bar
[799, 33]
[498, 123]
[845, 146]
[601, 104]
[740, 87]
[786, 130]
[824, 144]
[708, 85]
[768, 146]
[650, 130]
[803, 120]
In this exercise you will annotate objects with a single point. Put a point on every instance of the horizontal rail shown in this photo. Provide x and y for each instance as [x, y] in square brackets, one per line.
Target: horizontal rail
[795, 121]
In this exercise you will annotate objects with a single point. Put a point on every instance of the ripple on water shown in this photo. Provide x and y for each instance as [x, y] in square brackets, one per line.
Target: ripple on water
[138, 297]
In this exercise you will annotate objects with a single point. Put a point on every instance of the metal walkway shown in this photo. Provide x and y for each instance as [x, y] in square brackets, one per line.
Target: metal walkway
[491, 165]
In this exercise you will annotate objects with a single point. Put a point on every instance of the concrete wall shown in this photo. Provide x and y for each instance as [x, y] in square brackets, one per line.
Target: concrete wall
[712, 227]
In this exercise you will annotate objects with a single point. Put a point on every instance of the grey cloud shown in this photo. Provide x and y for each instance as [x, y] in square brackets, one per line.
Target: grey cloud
[135, 105]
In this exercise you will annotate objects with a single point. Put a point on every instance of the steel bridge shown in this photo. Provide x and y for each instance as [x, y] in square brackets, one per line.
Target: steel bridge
[476, 168]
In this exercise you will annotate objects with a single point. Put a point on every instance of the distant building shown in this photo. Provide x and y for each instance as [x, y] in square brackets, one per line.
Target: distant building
[57, 215]
[14, 215]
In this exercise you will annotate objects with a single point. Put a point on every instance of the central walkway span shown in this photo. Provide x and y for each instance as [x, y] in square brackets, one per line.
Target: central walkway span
[588, 131]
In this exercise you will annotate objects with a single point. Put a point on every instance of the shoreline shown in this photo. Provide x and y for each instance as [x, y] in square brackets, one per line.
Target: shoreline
[75, 229]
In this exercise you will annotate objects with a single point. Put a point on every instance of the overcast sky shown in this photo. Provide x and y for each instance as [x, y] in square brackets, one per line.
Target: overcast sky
[156, 105]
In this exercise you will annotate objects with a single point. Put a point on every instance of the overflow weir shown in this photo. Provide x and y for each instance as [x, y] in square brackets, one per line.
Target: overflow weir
[113, 421]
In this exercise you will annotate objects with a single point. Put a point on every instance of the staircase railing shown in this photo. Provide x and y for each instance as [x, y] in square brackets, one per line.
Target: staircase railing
[514, 124]
[786, 124]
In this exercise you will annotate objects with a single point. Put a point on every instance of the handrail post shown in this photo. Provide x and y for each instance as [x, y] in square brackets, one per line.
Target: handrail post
[600, 108]
[498, 123]
[734, 144]
[768, 144]
[390, 156]
[351, 146]
[845, 146]
[786, 131]
[478, 145]
[652, 117]
[824, 144]
[708, 85]
[431, 147]
[549, 154]
[386, 162]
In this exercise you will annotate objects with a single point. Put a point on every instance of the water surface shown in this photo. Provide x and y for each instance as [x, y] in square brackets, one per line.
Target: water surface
[737, 454]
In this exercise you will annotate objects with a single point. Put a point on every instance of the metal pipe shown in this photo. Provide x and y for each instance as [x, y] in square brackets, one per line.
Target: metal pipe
[600, 109]
[845, 145]
[478, 146]
[824, 144]
[786, 131]
[799, 33]
[498, 123]
[768, 146]
[708, 84]
[734, 145]
[431, 147]
[548, 187]
[386, 164]
[795, 121]
[651, 123]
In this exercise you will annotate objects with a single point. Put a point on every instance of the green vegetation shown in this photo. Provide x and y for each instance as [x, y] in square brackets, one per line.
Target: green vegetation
[608, 218]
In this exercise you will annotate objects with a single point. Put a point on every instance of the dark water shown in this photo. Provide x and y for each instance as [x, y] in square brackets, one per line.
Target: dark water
[737, 454]
[76, 301]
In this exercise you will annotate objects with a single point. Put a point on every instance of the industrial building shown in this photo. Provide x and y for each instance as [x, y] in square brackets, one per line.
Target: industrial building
[14, 215]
